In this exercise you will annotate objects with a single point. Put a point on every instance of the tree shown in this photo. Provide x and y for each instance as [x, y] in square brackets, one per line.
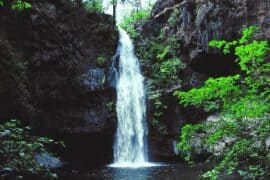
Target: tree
[114, 2]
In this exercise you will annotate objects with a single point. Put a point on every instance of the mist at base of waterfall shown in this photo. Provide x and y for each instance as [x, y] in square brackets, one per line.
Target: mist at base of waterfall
[135, 165]
[162, 172]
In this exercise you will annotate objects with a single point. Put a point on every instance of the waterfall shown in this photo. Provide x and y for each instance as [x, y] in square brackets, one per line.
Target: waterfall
[130, 146]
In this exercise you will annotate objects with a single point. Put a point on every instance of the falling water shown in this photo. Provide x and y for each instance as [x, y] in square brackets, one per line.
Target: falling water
[130, 143]
[130, 147]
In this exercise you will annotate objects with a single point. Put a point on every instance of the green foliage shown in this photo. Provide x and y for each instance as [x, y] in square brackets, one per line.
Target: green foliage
[129, 22]
[169, 71]
[230, 161]
[110, 106]
[174, 18]
[212, 95]
[93, 6]
[251, 57]
[187, 132]
[18, 5]
[18, 149]
[237, 139]
[159, 56]
[159, 108]
[164, 53]
[247, 34]
[101, 61]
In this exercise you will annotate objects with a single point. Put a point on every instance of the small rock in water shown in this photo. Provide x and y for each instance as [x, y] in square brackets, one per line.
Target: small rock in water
[6, 170]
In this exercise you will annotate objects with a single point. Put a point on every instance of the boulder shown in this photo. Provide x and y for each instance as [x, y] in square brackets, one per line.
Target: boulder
[48, 161]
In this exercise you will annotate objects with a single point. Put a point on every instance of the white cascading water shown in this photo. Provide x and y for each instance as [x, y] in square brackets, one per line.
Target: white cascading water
[130, 147]
[130, 144]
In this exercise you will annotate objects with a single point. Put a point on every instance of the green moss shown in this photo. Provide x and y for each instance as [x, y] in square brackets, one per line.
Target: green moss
[101, 61]
[110, 105]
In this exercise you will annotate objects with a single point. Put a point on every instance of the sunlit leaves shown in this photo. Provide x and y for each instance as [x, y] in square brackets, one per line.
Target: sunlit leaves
[186, 133]
[251, 56]
[212, 95]
[18, 5]
[247, 34]
[244, 104]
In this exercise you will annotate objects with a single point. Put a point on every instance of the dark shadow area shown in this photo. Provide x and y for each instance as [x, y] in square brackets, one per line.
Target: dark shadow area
[82, 151]
[215, 65]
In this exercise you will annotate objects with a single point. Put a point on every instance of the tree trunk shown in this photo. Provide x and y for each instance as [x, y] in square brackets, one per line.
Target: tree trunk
[114, 11]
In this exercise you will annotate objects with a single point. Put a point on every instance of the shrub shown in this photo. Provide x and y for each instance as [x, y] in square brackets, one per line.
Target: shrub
[244, 103]
[101, 61]
[93, 6]
[19, 148]
[129, 22]
[168, 71]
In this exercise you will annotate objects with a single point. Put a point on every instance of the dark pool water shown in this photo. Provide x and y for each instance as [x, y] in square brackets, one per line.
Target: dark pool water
[164, 172]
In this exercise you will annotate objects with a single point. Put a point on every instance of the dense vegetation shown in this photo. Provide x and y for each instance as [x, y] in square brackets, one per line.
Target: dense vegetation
[130, 21]
[19, 150]
[93, 6]
[238, 138]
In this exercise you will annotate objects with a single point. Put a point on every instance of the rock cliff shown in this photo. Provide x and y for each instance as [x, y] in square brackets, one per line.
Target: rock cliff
[192, 24]
[196, 22]
[54, 63]
[54, 46]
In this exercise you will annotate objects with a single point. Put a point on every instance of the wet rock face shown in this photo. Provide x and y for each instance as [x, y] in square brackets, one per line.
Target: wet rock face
[194, 23]
[60, 87]
[94, 79]
[199, 21]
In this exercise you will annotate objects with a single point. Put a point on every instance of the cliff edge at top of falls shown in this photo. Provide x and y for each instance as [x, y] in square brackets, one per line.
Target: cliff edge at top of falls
[54, 63]
[189, 25]
[199, 21]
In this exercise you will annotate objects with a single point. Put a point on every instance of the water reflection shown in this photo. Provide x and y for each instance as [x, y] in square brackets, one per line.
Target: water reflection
[132, 174]
[170, 172]
[165, 172]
